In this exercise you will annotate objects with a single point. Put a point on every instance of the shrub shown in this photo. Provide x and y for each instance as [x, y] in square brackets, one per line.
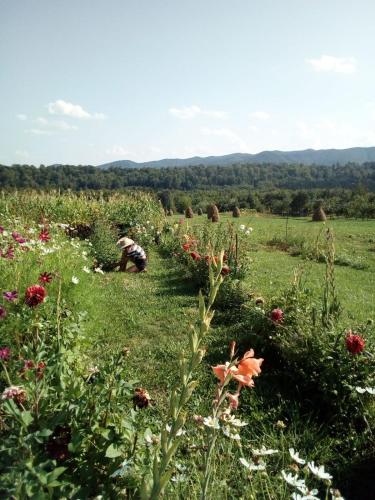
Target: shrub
[103, 241]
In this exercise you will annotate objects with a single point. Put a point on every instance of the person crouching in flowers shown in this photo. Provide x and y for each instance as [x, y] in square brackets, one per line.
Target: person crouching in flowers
[133, 252]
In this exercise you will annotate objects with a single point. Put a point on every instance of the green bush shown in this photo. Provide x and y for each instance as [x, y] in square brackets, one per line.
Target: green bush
[103, 240]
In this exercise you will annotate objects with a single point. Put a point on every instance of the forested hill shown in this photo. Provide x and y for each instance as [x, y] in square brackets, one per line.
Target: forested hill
[259, 176]
[305, 157]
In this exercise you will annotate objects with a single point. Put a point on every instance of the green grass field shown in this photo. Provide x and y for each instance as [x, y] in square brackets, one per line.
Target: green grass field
[272, 269]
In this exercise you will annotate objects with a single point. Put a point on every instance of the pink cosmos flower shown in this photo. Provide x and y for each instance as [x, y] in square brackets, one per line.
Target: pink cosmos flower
[10, 296]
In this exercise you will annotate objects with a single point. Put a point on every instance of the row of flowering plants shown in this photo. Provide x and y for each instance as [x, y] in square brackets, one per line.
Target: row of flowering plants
[60, 417]
[320, 358]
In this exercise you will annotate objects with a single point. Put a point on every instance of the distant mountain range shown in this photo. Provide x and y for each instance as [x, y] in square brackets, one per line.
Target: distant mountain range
[305, 157]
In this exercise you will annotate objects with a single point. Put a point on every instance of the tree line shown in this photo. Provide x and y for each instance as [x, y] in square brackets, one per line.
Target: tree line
[258, 177]
[347, 190]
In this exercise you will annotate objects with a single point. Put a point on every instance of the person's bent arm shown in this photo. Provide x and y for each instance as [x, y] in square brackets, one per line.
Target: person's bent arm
[123, 261]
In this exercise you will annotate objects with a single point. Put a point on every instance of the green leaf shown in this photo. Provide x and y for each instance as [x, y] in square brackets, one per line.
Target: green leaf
[27, 418]
[112, 452]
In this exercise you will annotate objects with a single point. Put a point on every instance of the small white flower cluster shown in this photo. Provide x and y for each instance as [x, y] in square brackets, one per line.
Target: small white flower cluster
[246, 230]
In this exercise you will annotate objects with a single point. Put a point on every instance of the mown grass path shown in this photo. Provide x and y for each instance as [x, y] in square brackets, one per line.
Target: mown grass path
[149, 313]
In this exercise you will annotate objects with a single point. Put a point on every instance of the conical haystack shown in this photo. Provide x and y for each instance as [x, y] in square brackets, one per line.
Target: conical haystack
[236, 212]
[189, 214]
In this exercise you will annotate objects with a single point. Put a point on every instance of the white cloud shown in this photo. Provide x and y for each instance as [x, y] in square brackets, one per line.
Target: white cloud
[61, 107]
[38, 131]
[260, 115]
[332, 64]
[55, 124]
[21, 116]
[189, 112]
[117, 150]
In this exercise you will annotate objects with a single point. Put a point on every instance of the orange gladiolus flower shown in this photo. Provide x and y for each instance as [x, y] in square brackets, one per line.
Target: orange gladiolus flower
[221, 371]
[244, 372]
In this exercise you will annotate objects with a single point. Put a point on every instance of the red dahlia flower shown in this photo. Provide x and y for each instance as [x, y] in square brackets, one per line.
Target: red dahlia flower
[35, 295]
[277, 315]
[354, 343]
[45, 278]
[195, 256]
[186, 246]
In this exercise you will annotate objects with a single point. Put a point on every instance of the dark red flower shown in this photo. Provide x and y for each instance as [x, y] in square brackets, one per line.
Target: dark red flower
[1, 229]
[40, 369]
[141, 398]
[44, 235]
[4, 353]
[45, 278]
[186, 246]
[195, 256]
[28, 365]
[225, 270]
[277, 315]
[35, 295]
[354, 343]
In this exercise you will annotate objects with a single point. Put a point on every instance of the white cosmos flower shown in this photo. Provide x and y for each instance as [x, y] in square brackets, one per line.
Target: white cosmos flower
[247, 232]
[211, 422]
[361, 390]
[227, 432]
[236, 422]
[263, 452]
[99, 270]
[310, 496]
[86, 269]
[319, 471]
[296, 457]
[75, 280]
[293, 480]
[252, 466]
[242, 227]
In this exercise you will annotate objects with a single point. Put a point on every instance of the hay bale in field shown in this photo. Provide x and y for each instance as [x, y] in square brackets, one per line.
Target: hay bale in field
[236, 212]
[210, 211]
[189, 214]
[319, 214]
[215, 214]
[200, 211]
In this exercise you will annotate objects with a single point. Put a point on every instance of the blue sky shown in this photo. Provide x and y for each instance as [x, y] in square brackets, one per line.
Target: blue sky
[92, 81]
